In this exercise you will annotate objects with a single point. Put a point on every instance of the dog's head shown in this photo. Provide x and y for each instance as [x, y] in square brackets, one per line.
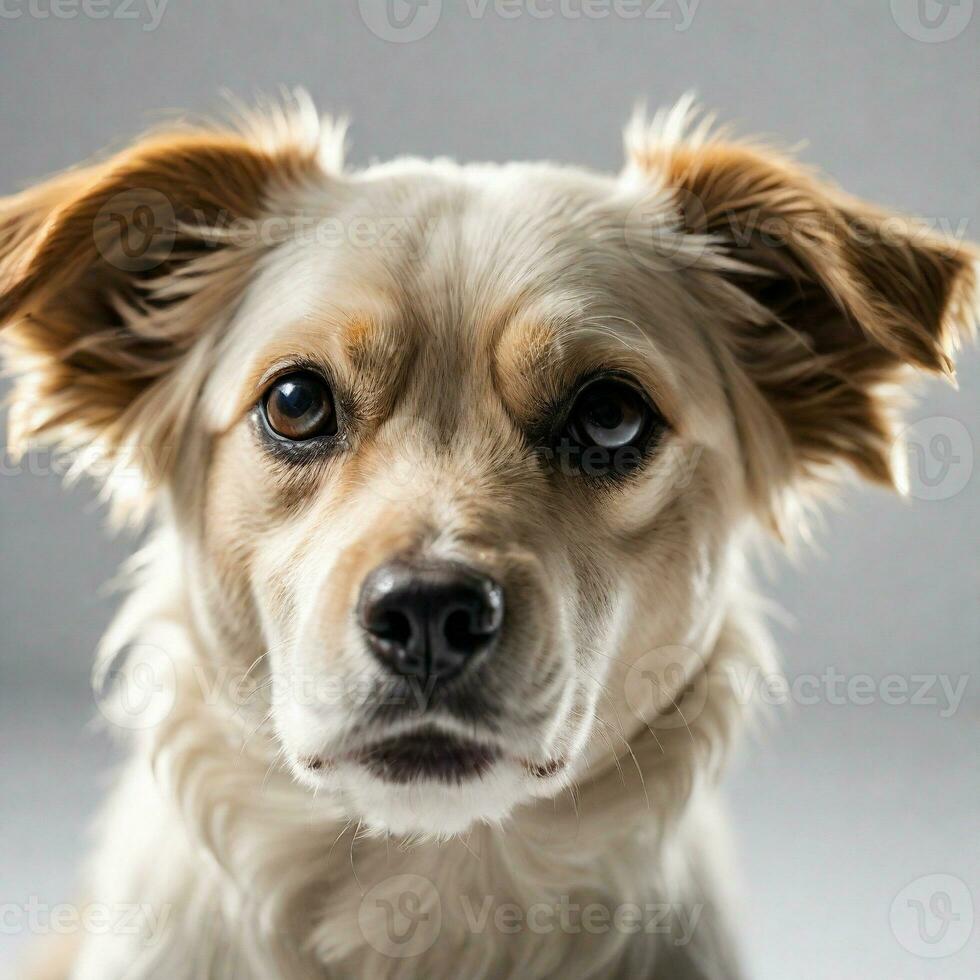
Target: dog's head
[451, 450]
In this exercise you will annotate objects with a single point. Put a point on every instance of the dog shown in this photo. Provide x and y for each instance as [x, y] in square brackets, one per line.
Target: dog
[429, 664]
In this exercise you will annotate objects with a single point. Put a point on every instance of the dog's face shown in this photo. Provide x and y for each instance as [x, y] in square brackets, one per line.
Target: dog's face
[452, 474]
[457, 453]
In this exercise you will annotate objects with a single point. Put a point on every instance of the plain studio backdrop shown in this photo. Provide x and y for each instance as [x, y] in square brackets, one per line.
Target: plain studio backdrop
[855, 813]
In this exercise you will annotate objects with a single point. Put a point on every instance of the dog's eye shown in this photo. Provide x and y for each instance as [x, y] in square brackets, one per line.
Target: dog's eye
[609, 426]
[300, 406]
[610, 414]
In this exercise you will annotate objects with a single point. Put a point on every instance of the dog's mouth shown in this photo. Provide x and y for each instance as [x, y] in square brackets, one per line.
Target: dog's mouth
[427, 755]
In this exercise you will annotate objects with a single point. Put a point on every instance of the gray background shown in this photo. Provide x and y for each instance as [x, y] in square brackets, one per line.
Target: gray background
[837, 807]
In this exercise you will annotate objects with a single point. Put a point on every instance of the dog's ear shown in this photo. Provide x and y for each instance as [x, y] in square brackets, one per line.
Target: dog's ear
[115, 276]
[827, 302]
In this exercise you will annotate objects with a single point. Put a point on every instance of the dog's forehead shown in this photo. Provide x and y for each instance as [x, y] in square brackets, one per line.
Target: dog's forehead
[516, 256]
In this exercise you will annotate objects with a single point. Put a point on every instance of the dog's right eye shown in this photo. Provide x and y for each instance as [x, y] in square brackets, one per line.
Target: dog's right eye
[300, 406]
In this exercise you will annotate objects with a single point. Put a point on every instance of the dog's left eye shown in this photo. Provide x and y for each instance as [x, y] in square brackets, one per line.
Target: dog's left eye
[300, 406]
[609, 414]
[608, 429]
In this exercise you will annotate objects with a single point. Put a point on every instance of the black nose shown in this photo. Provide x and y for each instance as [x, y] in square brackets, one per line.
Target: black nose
[430, 621]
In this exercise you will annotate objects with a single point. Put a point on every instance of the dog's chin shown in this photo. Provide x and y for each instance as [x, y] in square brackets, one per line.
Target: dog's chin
[422, 806]
[428, 787]
[432, 807]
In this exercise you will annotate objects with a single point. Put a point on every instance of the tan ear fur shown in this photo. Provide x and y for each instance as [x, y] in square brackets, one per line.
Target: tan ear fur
[94, 330]
[844, 296]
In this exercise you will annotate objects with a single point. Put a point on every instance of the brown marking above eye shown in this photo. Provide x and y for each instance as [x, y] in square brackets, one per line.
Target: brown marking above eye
[538, 362]
[527, 366]
[300, 406]
[359, 337]
[377, 350]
